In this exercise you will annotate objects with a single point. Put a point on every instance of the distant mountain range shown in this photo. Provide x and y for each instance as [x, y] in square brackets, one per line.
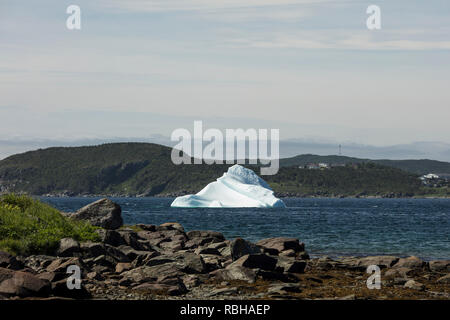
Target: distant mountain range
[146, 169]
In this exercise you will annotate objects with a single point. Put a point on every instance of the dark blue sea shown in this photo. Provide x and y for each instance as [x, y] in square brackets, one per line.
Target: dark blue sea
[332, 227]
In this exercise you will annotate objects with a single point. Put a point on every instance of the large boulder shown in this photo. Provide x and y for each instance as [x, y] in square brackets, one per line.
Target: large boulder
[235, 273]
[282, 244]
[240, 247]
[68, 247]
[150, 274]
[199, 238]
[410, 262]
[260, 261]
[22, 284]
[285, 264]
[101, 213]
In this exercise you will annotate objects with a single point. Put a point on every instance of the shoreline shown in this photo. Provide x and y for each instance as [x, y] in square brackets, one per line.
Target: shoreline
[163, 262]
[279, 196]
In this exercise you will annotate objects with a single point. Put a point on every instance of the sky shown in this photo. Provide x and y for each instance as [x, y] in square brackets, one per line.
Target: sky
[310, 68]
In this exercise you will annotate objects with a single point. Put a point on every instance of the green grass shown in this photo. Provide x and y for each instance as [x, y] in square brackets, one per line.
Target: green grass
[28, 226]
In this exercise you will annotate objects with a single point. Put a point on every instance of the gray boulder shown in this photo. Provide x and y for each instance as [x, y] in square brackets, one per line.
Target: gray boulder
[260, 261]
[68, 247]
[235, 273]
[282, 244]
[410, 262]
[240, 247]
[291, 265]
[101, 213]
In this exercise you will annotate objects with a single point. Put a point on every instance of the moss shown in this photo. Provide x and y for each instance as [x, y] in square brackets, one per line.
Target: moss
[28, 226]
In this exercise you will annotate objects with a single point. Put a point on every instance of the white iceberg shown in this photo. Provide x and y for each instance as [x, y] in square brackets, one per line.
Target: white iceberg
[239, 187]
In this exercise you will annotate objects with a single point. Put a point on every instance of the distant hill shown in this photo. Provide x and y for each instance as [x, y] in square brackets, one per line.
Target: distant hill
[145, 169]
[414, 166]
[116, 168]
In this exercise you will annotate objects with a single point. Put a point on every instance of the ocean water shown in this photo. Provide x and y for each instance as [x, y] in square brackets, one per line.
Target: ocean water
[332, 227]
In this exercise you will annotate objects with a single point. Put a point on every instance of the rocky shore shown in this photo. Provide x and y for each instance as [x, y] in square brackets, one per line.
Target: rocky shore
[166, 262]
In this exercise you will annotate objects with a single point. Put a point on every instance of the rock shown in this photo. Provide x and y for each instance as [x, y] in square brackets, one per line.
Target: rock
[68, 247]
[288, 253]
[235, 273]
[22, 284]
[399, 272]
[105, 261]
[162, 289]
[191, 281]
[39, 263]
[225, 252]
[123, 266]
[92, 249]
[260, 261]
[283, 288]
[94, 276]
[282, 244]
[111, 237]
[190, 263]
[440, 265]
[144, 258]
[60, 265]
[324, 263]
[207, 250]
[149, 274]
[215, 236]
[212, 262]
[8, 261]
[401, 281]
[172, 225]
[48, 276]
[146, 227]
[130, 238]
[276, 276]
[444, 279]
[161, 259]
[410, 262]
[61, 289]
[172, 245]
[412, 284]
[101, 213]
[131, 253]
[218, 245]
[291, 265]
[240, 247]
[222, 291]
[380, 261]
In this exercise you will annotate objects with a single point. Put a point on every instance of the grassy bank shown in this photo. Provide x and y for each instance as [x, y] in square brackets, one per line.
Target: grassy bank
[28, 226]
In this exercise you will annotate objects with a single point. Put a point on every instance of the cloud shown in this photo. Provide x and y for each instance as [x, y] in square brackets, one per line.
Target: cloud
[197, 5]
[344, 40]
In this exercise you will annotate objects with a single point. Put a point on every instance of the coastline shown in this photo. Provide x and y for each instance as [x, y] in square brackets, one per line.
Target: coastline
[282, 196]
[165, 261]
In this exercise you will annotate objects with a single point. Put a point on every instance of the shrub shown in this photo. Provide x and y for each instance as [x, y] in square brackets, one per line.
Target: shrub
[28, 226]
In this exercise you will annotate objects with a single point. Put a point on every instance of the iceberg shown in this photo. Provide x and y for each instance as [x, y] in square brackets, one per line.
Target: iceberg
[239, 187]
